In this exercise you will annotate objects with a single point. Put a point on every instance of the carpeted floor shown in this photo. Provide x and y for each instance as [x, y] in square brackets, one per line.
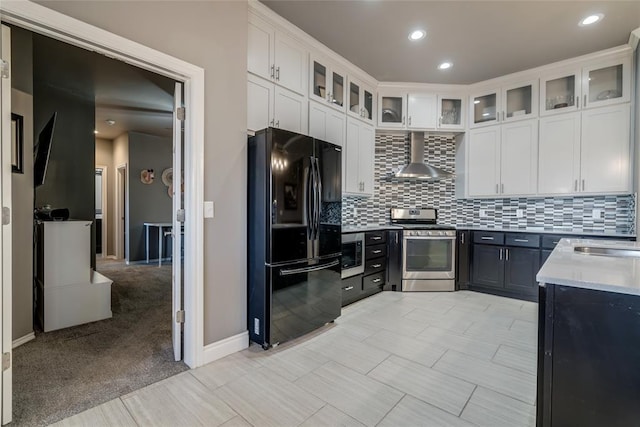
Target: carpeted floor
[64, 372]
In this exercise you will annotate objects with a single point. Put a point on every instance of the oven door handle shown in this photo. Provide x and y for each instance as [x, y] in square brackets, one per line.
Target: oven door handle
[429, 238]
[308, 269]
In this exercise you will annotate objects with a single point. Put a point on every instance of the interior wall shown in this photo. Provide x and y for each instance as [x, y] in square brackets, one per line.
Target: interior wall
[64, 87]
[22, 223]
[212, 35]
[104, 156]
[120, 158]
[148, 202]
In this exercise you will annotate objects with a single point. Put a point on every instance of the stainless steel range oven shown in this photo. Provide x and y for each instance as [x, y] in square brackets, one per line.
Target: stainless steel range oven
[428, 251]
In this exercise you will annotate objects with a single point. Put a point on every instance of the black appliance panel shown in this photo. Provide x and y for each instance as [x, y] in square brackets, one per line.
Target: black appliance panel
[329, 187]
[352, 254]
[304, 297]
[429, 255]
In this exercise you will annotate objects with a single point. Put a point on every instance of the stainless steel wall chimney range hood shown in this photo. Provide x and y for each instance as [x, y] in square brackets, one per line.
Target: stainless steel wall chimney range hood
[417, 168]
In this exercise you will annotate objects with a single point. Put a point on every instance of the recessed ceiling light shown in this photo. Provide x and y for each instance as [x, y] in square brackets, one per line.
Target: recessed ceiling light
[445, 66]
[417, 35]
[95, 131]
[477, 101]
[110, 122]
[591, 19]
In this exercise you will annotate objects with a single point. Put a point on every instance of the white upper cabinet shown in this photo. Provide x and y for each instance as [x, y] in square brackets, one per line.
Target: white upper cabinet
[605, 151]
[422, 110]
[358, 158]
[361, 100]
[326, 123]
[606, 82]
[328, 83]
[276, 57]
[519, 158]
[392, 109]
[511, 102]
[272, 105]
[559, 154]
[450, 113]
[259, 103]
[484, 108]
[483, 168]
[596, 84]
[289, 111]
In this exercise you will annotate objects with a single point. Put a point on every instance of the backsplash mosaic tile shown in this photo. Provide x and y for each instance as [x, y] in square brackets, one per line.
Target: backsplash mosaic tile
[392, 153]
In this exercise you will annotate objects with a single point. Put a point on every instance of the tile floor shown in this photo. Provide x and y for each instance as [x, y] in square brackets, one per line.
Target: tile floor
[394, 359]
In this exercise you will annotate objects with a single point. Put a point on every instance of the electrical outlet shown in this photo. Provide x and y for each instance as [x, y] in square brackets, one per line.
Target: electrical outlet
[597, 214]
[519, 213]
[484, 213]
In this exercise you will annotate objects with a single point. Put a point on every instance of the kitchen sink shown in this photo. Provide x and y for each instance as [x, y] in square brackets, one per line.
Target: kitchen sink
[615, 252]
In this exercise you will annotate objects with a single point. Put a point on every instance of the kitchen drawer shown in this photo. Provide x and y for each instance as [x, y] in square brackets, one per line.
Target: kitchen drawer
[351, 289]
[488, 237]
[374, 265]
[376, 251]
[550, 241]
[373, 281]
[375, 237]
[525, 240]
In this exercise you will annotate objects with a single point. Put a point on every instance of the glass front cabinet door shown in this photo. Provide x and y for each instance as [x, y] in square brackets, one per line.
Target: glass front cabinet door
[328, 84]
[606, 83]
[450, 112]
[391, 110]
[559, 92]
[484, 109]
[520, 101]
[360, 103]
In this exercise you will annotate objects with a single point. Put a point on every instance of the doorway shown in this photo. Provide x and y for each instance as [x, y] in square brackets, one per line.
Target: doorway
[121, 197]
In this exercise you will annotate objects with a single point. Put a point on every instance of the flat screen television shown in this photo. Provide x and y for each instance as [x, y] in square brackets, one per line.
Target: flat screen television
[42, 150]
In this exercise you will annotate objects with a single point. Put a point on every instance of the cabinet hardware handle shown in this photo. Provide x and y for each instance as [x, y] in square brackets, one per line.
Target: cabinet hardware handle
[439, 121]
[462, 238]
[583, 185]
[577, 101]
[506, 251]
[497, 189]
[555, 242]
[377, 251]
[348, 288]
[521, 240]
[376, 265]
[278, 123]
[277, 73]
[502, 188]
[500, 254]
[403, 120]
[575, 185]
[377, 280]
[376, 238]
[487, 238]
[585, 100]
[503, 116]
[272, 122]
[273, 71]
[409, 120]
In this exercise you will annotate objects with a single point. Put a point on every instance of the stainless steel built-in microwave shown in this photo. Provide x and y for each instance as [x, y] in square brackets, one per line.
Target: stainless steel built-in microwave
[352, 254]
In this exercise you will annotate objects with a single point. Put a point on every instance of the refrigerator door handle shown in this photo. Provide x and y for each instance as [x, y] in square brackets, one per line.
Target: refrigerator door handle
[318, 196]
[309, 200]
[309, 269]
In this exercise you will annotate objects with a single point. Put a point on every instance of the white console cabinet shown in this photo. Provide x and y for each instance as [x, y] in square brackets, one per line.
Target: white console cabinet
[68, 291]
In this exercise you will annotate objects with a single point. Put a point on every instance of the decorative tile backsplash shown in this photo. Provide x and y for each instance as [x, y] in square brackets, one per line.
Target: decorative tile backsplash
[392, 153]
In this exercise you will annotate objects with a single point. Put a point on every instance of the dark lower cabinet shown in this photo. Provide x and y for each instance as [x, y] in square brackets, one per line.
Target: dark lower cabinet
[375, 261]
[588, 356]
[351, 289]
[544, 254]
[488, 266]
[463, 261]
[521, 267]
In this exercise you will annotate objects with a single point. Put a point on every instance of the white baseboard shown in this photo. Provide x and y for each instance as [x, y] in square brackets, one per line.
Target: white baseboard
[23, 340]
[225, 347]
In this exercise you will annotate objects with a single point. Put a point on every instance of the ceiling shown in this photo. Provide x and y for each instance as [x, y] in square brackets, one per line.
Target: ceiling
[136, 99]
[483, 39]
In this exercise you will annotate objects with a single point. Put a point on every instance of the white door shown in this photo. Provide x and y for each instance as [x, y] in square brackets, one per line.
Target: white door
[605, 149]
[259, 103]
[350, 155]
[422, 110]
[290, 111]
[5, 229]
[484, 162]
[291, 64]
[178, 220]
[260, 46]
[366, 158]
[559, 154]
[519, 158]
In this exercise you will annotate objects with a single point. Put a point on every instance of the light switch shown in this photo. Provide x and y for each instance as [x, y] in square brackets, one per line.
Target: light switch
[484, 213]
[208, 209]
[596, 214]
[519, 213]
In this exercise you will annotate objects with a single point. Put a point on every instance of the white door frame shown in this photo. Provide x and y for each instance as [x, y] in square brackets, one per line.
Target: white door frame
[105, 215]
[121, 212]
[53, 24]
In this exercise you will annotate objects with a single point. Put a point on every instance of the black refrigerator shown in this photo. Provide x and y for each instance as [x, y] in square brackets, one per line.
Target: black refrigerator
[294, 235]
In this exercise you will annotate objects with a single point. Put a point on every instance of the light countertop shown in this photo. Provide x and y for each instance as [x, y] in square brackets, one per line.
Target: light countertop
[599, 272]
[368, 227]
[548, 230]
